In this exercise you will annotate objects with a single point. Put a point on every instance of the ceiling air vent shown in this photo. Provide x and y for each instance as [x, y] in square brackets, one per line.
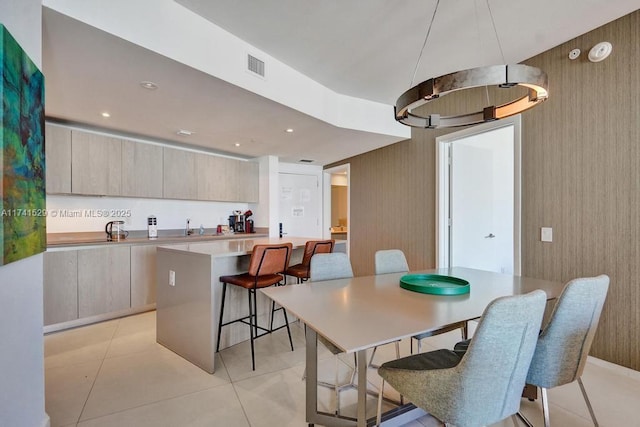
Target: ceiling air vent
[306, 161]
[255, 65]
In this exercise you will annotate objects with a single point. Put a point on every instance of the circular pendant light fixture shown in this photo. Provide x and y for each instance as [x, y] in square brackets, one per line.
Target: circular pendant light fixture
[502, 76]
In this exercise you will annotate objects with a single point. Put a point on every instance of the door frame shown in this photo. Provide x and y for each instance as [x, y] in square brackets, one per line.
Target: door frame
[326, 200]
[443, 249]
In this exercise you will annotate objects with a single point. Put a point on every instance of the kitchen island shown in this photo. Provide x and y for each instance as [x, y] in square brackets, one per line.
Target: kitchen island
[188, 295]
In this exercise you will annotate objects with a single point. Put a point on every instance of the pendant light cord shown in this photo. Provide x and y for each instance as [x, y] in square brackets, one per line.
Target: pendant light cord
[495, 31]
[415, 70]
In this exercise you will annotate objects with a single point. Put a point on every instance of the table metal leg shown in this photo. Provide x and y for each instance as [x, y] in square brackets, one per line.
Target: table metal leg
[312, 374]
[362, 388]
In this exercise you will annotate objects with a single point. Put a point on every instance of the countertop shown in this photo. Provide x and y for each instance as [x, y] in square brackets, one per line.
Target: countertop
[139, 237]
[234, 247]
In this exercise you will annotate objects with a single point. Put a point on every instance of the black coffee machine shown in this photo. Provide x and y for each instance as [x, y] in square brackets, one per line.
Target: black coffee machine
[240, 223]
[236, 222]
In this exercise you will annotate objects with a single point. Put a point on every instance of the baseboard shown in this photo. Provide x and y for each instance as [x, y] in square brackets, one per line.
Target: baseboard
[47, 421]
[621, 370]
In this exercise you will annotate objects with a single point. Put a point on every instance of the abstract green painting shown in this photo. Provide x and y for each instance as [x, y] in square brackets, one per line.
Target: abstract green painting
[22, 190]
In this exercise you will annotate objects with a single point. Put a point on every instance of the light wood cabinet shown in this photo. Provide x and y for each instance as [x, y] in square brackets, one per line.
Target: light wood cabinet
[96, 162]
[248, 179]
[226, 180]
[141, 169]
[87, 163]
[58, 159]
[143, 275]
[104, 281]
[60, 286]
[179, 174]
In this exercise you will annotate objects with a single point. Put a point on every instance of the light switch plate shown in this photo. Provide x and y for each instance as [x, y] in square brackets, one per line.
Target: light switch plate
[546, 234]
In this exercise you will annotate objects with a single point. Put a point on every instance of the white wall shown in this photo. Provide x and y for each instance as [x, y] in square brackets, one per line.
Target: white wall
[21, 340]
[171, 214]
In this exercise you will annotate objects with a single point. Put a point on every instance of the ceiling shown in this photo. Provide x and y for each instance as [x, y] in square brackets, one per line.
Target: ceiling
[362, 48]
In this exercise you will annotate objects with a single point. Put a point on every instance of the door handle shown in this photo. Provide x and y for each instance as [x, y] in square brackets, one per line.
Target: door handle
[490, 236]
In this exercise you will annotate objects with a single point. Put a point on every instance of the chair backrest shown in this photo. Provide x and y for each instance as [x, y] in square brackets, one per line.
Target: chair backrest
[492, 372]
[391, 261]
[313, 247]
[270, 259]
[564, 343]
[335, 265]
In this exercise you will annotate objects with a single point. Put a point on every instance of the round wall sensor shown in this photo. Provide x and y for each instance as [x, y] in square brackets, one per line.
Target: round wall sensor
[600, 51]
[574, 54]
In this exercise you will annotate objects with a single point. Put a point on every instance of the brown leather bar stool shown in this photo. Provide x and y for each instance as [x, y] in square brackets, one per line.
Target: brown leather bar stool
[266, 268]
[312, 247]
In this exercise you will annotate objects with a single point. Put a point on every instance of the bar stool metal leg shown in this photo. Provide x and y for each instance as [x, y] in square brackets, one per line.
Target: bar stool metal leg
[224, 291]
[253, 332]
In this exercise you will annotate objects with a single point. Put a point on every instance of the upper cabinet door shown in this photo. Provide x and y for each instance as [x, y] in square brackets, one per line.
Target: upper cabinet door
[96, 162]
[58, 157]
[179, 174]
[249, 181]
[141, 169]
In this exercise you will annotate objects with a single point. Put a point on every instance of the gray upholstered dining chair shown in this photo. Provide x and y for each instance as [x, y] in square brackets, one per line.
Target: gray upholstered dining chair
[564, 343]
[393, 261]
[483, 385]
[332, 266]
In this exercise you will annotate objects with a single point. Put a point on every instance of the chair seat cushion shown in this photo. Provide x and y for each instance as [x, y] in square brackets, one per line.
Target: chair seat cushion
[438, 359]
[248, 281]
[298, 270]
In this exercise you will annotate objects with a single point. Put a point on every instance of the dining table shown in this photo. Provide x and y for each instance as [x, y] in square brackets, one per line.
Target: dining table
[359, 313]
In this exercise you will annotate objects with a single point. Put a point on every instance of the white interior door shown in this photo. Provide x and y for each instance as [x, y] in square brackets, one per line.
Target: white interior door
[300, 205]
[480, 224]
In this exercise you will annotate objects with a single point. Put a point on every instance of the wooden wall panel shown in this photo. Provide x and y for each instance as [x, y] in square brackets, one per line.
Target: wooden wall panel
[580, 175]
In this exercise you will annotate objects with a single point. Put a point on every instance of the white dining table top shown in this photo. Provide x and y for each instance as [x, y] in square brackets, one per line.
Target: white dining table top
[362, 312]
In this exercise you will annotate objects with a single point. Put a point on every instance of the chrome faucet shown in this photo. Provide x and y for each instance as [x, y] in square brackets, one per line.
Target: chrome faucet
[188, 231]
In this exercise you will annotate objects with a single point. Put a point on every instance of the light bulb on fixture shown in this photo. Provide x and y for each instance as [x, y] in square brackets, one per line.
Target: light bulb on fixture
[149, 85]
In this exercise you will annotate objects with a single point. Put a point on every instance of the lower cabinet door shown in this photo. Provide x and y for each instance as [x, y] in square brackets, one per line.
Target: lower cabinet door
[143, 275]
[60, 286]
[104, 280]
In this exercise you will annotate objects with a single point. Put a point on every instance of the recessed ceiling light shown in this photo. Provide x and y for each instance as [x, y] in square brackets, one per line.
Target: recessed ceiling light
[149, 85]
[237, 144]
[105, 114]
[184, 132]
[289, 130]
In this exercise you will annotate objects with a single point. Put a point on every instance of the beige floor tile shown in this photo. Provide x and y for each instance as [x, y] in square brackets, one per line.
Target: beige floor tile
[78, 345]
[218, 406]
[273, 399]
[140, 378]
[272, 353]
[67, 389]
[139, 383]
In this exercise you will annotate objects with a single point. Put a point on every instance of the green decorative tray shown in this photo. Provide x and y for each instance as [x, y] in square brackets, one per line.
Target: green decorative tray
[434, 284]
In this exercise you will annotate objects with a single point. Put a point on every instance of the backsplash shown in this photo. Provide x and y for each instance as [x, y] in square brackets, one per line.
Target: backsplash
[78, 213]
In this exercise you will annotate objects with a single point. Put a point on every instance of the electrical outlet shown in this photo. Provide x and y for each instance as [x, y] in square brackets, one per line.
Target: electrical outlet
[172, 278]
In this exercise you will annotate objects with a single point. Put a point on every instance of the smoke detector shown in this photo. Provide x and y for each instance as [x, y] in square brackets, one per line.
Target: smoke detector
[600, 51]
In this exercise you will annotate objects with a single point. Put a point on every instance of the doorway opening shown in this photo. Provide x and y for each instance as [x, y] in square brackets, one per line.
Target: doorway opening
[336, 211]
[478, 195]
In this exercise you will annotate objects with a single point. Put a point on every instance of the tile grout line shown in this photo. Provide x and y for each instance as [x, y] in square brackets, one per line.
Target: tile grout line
[244, 412]
[104, 357]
